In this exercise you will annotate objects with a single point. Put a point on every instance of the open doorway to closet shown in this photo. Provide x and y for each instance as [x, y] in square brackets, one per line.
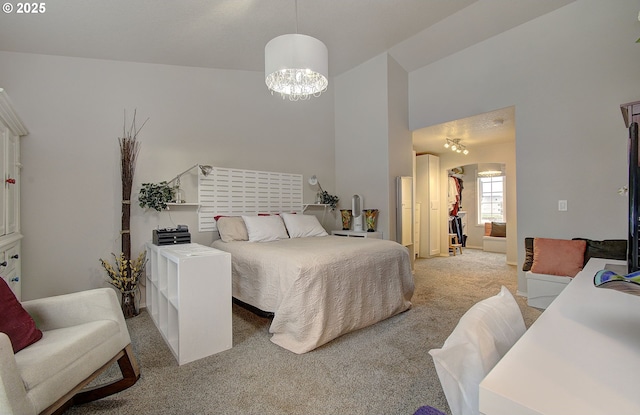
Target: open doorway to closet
[477, 196]
[488, 138]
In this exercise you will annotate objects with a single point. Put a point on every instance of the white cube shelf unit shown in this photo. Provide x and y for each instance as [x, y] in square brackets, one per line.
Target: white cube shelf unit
[189, 298]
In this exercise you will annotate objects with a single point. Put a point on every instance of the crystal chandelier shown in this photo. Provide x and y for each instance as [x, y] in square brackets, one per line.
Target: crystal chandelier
[454, 145]
[296, 66]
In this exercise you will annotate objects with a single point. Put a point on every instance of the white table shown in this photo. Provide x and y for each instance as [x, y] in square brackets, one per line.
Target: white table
[582, 356]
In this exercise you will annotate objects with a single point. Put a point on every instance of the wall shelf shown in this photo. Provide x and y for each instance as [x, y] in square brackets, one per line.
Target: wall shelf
[319, 205]
[184, 204]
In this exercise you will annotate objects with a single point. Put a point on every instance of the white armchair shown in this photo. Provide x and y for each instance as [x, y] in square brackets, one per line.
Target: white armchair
[83, 334]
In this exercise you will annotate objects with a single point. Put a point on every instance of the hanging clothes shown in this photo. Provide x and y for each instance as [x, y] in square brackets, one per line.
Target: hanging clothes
[455, 227]
[454, 200]
[454, 195]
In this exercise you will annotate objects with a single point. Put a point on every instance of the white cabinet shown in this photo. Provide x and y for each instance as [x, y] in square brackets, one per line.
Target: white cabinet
[189, 298]
[428, 196]
[11, 129]
[10, 265]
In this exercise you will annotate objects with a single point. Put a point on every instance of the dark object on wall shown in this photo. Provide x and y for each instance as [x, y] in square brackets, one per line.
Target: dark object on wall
[173, 236]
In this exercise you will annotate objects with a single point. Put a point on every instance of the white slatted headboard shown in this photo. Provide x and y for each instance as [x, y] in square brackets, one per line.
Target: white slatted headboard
[236, 192]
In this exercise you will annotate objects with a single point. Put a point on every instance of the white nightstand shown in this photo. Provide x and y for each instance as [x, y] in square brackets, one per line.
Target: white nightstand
[354, 234]
[189, 298]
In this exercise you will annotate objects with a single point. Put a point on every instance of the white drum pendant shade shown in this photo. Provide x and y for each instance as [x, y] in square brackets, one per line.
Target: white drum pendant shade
[296, 66]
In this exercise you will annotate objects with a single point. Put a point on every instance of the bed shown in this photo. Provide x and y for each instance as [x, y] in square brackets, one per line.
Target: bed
[317, 286]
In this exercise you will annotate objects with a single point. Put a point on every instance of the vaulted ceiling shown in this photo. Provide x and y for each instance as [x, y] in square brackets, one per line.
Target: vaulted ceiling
[231, 34]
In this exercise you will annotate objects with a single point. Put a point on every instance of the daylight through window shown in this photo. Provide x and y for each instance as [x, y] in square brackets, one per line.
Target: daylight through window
[491, 199]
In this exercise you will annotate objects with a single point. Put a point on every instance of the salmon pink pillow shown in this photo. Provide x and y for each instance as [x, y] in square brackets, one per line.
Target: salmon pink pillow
[558, 256]
[16, 322]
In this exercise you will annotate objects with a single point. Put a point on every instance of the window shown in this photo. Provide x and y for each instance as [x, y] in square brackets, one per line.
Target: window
[491, 199]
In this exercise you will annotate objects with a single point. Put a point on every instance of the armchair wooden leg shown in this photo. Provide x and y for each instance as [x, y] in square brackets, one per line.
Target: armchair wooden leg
[130, 375]
[79, 395]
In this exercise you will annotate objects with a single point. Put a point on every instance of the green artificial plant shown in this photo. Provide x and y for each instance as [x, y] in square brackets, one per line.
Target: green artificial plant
[155, 195]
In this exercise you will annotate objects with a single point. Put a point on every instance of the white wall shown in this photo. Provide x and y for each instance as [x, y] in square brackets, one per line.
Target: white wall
[400, 147]
[373, 143]
[71, 175]
[566, 73]
[361, 137]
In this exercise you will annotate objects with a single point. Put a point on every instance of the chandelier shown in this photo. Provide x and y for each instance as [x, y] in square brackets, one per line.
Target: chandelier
[454, 145]
[296, 66]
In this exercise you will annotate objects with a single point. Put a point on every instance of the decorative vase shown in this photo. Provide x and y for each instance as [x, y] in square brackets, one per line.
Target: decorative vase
[371, 216]
[129, 304]
[346, 219]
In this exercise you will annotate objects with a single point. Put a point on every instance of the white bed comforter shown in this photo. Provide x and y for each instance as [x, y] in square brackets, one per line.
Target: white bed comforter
[321, 287]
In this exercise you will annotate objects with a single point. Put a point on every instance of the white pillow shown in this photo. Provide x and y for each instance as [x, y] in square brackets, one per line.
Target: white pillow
[483, 335]
[300, 226]
[265, 228]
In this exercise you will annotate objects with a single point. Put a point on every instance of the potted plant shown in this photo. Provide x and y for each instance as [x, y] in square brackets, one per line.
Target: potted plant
[125, 277]
[329, 199]
[155, 195]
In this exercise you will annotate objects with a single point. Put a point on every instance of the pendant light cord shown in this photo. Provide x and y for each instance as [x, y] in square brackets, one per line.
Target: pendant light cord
[296, 8]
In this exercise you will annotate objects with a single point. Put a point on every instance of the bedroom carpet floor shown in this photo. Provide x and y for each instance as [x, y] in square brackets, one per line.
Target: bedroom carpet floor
[382, 369]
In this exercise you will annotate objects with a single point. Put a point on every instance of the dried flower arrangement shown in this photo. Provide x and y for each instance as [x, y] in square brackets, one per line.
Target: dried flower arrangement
[125, 276]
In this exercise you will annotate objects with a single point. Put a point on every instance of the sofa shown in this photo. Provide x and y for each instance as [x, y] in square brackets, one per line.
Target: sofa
[550, 264]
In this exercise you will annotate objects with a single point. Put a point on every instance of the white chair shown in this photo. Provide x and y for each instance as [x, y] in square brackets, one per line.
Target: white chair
[83, 334]
[483, 335]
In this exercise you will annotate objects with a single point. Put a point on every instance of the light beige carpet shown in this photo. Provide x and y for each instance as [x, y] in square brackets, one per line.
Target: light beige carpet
[382, 369]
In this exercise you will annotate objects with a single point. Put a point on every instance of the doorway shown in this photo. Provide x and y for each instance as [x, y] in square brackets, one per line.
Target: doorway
[489, 138]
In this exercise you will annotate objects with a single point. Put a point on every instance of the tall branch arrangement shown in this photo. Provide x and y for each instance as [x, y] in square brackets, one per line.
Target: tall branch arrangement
[129, 148]
[126, 273]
